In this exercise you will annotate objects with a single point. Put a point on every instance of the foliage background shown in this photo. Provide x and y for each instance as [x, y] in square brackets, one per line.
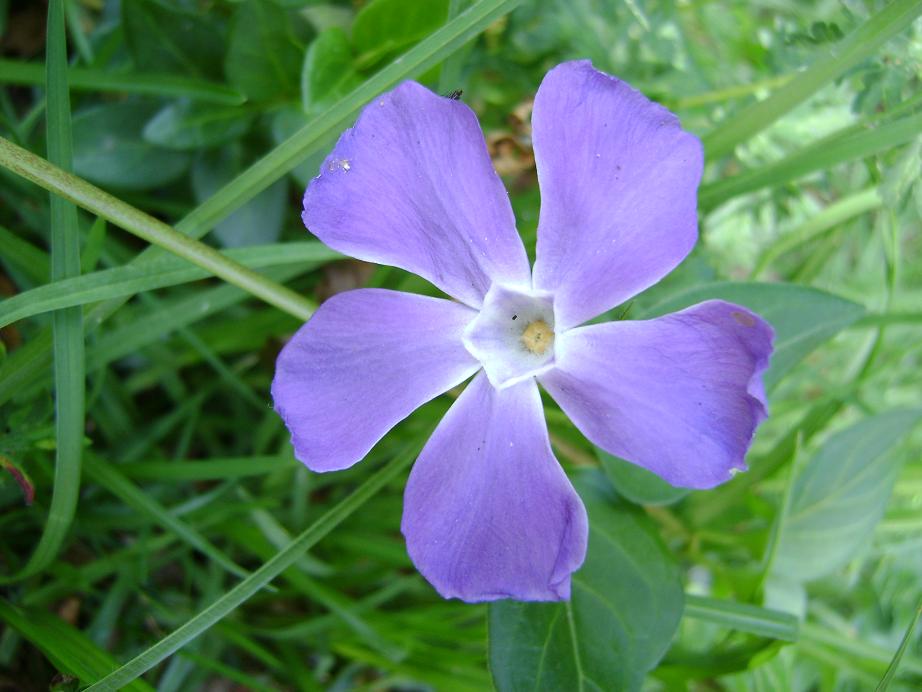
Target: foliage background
[168, 477]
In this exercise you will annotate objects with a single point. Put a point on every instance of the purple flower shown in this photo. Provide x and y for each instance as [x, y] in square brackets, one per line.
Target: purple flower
[488, 512]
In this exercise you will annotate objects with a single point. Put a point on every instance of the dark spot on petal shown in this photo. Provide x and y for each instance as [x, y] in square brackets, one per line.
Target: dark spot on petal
[743, 318]
[515, 317]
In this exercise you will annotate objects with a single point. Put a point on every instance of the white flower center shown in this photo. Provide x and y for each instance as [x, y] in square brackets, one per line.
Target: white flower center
[513, 336]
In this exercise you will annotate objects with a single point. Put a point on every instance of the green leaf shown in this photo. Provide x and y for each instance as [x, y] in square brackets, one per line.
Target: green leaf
[840, 495]
[264, 54]
[385, 27]
[327, 74]
[192, 125]
[165, 37]
[259, 220]
[110, 150]
[636, 483]
[69, 649]
[625, 607]
[803, 318]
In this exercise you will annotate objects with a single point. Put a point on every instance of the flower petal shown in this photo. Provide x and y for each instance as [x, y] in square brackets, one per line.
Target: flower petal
[680, 395]
[412, 185]
[618, 179]
[365, 361]
[488, 512]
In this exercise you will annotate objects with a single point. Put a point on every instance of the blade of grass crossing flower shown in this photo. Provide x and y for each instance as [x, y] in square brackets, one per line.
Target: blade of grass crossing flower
[450, 74]
[261, 577]
[900, 652]
[283, 158]
[859, 45]
[67, 324]
[743, 617]
[28, 361]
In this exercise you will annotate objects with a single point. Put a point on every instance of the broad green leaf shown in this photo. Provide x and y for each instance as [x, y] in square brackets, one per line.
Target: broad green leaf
[637, 484]
[385, 27]
[265, 51]
[193, 125]
[625, 606]
[69, 649]
[164, 37]
[110, 150]
[840, 495]
[327, 74]
[803, 318]
[257, 221]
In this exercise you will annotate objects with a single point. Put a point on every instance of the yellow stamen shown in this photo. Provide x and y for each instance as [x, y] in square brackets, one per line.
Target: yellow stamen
[538, 337]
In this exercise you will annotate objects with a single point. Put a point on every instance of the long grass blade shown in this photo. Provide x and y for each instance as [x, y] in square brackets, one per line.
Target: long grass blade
[87, 79]
[132, 279]
[146, 227]
[67, 324]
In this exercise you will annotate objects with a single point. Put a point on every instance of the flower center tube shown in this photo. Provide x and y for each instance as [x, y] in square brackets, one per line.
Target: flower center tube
[513, 336]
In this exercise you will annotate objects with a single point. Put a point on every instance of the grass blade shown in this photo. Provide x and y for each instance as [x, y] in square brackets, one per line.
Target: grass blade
[67, 324]
[743, 617]
[27, 362]
[112, 480]
[86, 79]
[859, 45]
[145, 226]
[826, 220]
[824, 154]
[133, 279]
[67, 647]
[282, 560]
[898, 656]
